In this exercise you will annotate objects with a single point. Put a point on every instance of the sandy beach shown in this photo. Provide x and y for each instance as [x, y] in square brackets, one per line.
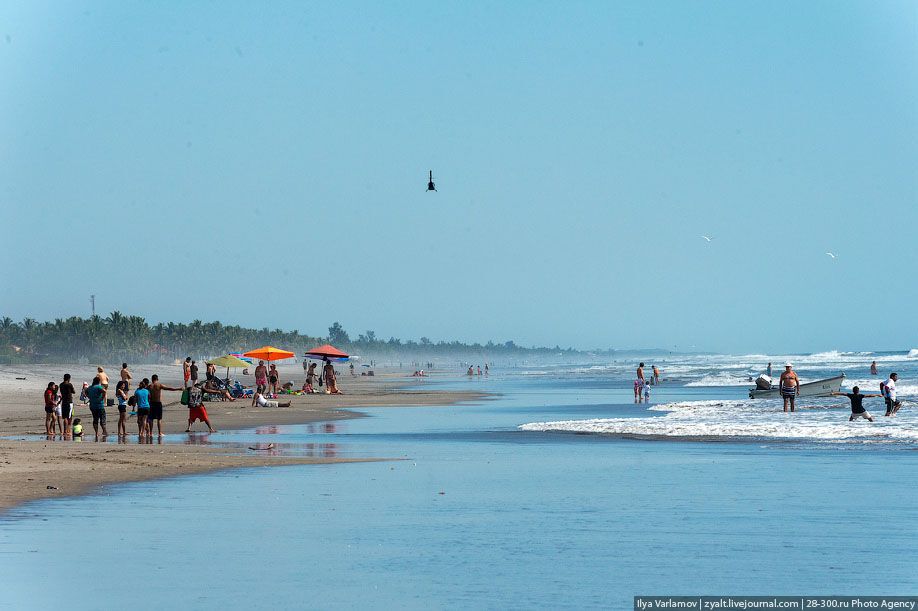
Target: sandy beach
[40, 469]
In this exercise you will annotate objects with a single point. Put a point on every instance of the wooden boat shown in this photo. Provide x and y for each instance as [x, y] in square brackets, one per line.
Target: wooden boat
[819, 388]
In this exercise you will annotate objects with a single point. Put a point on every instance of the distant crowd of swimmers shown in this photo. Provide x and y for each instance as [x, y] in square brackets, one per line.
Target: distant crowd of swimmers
[471, 371]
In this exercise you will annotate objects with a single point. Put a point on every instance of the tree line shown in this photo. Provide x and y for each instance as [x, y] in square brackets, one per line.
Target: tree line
[131, 338]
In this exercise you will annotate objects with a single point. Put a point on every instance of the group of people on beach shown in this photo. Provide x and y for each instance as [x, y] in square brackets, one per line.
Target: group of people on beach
[471, 371]
[789, 388]
[146, 401]
[642, 384]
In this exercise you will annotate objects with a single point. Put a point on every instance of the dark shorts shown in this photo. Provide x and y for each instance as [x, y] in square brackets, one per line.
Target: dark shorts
[67, 410]
[789, 393]
[98, 415]
[143, 412]
[156, 410]
[122, 409]
[49, 409]
[272, 380]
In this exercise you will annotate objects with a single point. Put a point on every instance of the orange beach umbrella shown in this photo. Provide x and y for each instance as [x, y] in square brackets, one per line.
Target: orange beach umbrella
[269, 353]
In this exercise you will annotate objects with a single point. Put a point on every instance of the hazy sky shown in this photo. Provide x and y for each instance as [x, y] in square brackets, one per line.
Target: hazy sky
[265, 164]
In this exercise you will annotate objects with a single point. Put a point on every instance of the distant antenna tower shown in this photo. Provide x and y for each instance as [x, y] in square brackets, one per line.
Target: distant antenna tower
[92, 300]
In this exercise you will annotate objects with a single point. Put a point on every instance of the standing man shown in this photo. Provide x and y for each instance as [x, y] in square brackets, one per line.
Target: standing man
[156, 401]
[656, 374]
[873, 368]
[96, 394]
[261, 377]
[790, 386]
[126, 377]
[194, 373]
[889, 391]
[186, 372]
[67, 392]
[331, 383]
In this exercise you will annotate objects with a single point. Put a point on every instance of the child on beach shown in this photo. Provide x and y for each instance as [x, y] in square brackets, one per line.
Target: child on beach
[77, 429]
[857, 404]
[646, 393]
[638, 391]
[84, 397]
[196, 409]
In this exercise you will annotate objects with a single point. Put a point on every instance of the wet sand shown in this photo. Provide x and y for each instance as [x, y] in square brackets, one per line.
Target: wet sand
[40, 469]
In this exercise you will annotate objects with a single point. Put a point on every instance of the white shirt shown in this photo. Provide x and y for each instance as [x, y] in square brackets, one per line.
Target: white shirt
[261, 401]
[891, 388]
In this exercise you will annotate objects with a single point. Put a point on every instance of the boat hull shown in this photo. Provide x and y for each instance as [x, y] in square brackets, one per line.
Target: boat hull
[819, 388]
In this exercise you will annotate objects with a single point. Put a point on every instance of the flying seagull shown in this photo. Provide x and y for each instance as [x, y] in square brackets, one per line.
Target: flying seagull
[707, 238]
[832, 255]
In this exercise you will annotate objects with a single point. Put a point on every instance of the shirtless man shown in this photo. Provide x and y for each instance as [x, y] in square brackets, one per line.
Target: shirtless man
[789, 386]
[156, 389]
[261, 377]
[126, 376]
[656, 374]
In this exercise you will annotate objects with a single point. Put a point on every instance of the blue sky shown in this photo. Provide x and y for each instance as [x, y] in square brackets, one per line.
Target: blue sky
[265, 164]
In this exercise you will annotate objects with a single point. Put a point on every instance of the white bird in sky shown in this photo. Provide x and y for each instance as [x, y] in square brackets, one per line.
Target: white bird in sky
[707, 238]
[832, 255]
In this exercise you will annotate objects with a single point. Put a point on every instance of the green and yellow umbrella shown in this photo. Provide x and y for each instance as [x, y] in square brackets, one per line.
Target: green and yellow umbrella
[230, 361]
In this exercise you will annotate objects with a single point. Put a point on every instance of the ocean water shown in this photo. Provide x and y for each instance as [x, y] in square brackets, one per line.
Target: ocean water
[481, 513]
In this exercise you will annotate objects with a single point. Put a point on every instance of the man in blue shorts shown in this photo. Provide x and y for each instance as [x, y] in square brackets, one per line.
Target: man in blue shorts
[96, 394]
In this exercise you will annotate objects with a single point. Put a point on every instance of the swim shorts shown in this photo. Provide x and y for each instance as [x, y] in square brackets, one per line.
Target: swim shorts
[788, 393]
[67, 410]
[49, 409]
[143, 412]
[864, 415]
[122, 408]
[98, 415]
[156, 410]
[57, 410]
[197, 413]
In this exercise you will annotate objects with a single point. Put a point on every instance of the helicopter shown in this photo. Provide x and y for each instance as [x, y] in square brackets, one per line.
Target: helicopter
[430, 184]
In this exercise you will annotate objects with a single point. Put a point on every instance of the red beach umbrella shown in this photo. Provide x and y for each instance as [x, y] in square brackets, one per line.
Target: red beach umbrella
[327, 351]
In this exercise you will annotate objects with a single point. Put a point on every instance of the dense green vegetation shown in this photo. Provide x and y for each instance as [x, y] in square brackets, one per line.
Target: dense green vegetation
[131, 338]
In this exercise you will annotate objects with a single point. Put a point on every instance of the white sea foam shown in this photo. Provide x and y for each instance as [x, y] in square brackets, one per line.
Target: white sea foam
[912, 354]
[722, 379]
[752, 420]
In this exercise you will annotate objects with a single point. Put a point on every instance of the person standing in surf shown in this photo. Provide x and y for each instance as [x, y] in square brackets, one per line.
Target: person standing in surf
[790, 386]
[888, 388]
[857, 404]
[873, 368]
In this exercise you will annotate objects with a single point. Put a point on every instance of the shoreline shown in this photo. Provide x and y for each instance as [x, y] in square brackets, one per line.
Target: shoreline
[32, 470]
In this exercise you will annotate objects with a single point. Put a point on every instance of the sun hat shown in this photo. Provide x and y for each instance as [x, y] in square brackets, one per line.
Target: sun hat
[788, 364]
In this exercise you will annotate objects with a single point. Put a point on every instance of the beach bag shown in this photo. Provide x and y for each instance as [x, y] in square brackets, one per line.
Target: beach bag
[184, 399]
